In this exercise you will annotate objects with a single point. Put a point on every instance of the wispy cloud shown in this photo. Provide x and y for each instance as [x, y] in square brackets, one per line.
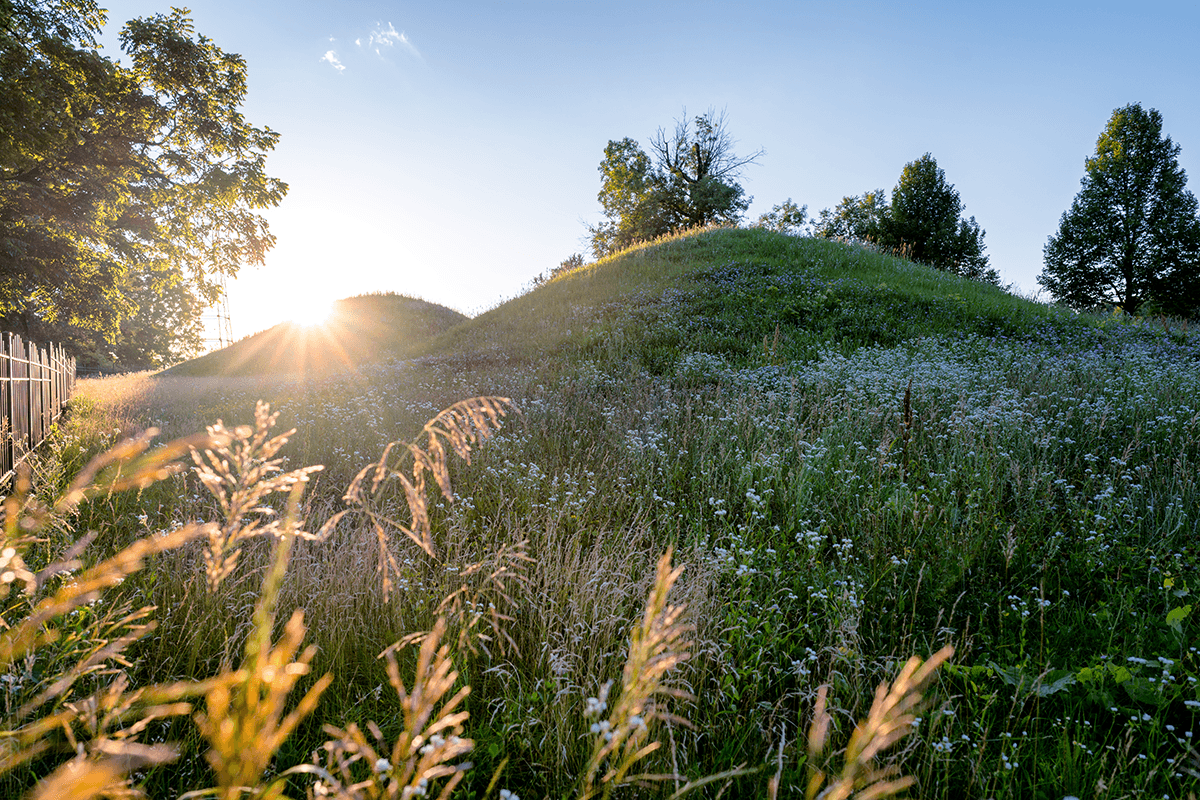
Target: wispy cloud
[386, 35]
[332, 58]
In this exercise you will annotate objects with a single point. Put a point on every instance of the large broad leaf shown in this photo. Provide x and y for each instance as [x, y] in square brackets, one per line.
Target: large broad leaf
[1055, 681]
[1042, 685]
[1176, 616]
[1143, 691]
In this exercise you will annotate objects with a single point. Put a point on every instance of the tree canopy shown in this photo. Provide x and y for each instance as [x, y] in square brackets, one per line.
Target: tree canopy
[689, 179]
[926, 222]
[923, 222]
[127, 191]
[1131, 236]
[855, 219]
[785, 217]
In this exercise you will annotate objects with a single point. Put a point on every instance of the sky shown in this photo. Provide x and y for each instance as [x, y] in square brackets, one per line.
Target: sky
[449, 150]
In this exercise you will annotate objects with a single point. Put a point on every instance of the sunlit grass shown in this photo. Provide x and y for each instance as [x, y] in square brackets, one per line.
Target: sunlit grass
[353, 332]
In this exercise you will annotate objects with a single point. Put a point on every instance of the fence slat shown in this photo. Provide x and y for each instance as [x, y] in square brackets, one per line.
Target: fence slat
[35, 385]
[6, 446]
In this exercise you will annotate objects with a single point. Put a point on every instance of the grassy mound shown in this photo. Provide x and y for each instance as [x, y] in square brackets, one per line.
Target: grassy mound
[361, 330]
[722, 291]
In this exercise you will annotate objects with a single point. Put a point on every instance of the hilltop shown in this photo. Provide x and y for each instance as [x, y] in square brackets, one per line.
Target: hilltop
[722, 291]
[360, 330]
[742, 294]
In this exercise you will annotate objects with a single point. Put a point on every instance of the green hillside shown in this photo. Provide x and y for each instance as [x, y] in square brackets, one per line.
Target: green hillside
[360, 330]
[722, 291]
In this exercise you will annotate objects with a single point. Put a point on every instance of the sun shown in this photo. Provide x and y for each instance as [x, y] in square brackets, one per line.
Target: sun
[311, 310]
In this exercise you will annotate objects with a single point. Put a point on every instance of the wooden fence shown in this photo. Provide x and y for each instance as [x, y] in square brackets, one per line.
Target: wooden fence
[35, 384]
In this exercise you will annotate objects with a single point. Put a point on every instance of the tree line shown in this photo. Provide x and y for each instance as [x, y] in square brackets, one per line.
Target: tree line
[1131, 238]
[128, 191]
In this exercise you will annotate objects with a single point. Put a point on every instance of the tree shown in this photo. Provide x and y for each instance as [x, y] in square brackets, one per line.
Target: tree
[164, 302]
[631, 195]
[923, 222]
[118, 180]
[1131, 236]
[568, 264]
[785, 217]
[690, 181]
[700, 170]
[855, 219]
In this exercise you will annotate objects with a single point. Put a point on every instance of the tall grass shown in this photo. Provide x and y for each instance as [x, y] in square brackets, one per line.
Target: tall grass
[912, 461]
[90, 708]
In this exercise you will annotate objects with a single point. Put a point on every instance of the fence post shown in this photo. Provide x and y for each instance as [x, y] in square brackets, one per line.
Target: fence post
[44, 390]
[24, 417]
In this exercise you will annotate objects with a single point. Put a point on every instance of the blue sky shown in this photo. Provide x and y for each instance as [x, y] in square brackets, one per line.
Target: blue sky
[448, 150]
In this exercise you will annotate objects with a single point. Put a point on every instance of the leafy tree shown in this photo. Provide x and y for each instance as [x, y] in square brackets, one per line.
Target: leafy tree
[631, 194]
[119, 181]
[689, 180]
[164, 303]
[855, 219]
[786, 217]
[700, 170]
[1131, 236]
[923, 222]
[571, 262]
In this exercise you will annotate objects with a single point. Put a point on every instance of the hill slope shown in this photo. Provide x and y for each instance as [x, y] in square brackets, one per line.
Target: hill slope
[361, 329]
[721, 291]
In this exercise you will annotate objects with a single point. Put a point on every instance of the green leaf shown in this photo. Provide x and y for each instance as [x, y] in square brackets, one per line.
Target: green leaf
[1055, 682]
[1176, 616]
[1143, 691]
[1120, 674]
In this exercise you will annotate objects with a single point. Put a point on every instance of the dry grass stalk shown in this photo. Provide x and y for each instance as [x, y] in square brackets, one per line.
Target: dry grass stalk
[244, 719]
[458, 428]
[83, 778]
[656, 647]
[478, 600]
[244, 715]
[100, 728]
[362, 767]
[890, 719]
[130, 466]
[241, 470]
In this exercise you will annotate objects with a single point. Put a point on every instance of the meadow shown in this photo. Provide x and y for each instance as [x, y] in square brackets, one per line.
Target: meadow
[742, 479]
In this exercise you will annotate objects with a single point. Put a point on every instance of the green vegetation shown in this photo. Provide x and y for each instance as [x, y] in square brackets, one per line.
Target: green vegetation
[851, 459]
[360, 330]
[129, 189]
[923, 222]
[1131, 237]
[690, 182]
